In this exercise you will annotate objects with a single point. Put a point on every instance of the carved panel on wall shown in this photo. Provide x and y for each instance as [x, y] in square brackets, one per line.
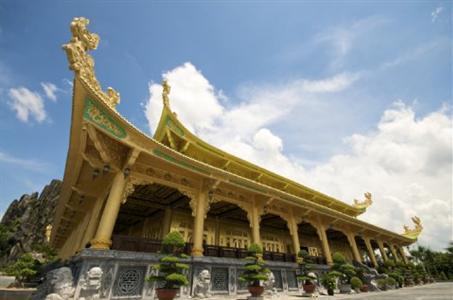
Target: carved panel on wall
[129, 281]
[219, 279]
[232, 281]
[107, 281]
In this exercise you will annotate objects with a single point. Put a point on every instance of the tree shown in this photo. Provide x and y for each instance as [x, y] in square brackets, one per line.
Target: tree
[340, 265]
[255, 269]
[23, 269]
[171, 270]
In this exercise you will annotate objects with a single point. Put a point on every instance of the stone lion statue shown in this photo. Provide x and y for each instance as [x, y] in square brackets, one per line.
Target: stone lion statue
[91, 284]
[201, 288]
[269, 284]
[60, 284]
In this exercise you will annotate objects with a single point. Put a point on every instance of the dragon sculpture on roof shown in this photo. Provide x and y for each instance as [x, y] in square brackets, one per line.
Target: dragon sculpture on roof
[415, 232]
[364, 204]
[82, 63]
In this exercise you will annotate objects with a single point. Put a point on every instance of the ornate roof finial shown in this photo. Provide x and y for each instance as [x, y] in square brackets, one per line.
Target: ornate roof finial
[82, 63]
[415, 232]
[165, 92]
[363, 205]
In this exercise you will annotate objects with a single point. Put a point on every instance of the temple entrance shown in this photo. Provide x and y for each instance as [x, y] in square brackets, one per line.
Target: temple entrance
[149, 213]
[227, 231]
[339, 243]
[275, 238]
[310, 242]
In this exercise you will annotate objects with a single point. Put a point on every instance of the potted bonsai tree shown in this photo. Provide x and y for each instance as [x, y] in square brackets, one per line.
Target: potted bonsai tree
[170, 268]
[346, 270]
[329, 281]
[255, 270]
[305, 267]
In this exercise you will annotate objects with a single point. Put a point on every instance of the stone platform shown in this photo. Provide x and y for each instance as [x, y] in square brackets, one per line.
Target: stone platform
[113, 274]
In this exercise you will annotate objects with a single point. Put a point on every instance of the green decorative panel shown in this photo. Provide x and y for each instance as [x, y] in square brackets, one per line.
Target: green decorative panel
[170, 158]
[93, 112]
[173, 127]
[250, 187]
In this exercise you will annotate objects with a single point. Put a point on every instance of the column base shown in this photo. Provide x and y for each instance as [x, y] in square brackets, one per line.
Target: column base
[100, 244]
[197, 252]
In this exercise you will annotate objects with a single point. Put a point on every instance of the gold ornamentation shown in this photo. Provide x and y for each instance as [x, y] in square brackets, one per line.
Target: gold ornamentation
[363, 205]
[129, 188]
[165, 92]
[95, 114]
[82, 63]
[415, 232]
[100, 244]
[48, 232]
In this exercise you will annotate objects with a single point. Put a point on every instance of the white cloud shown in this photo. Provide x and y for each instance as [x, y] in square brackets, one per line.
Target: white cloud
[415, 53]
[50, 90]
[342, 38]
[405, 162]
[435, 13]
[189, 89]
[407, 165]
[28, 164]
[27, 103]
[334, 84]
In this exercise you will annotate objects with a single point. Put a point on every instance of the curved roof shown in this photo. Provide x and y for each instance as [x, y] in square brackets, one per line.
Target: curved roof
[171, 132]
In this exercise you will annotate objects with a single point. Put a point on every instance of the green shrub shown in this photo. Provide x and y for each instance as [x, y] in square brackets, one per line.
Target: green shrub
[255, 249]
[23, 269]
[382, 283]
[390, 281]
[338, 258]
[328, 280]
[305, 267]
[171, 270]
[255, 269]
[341, 266]
[356, 283]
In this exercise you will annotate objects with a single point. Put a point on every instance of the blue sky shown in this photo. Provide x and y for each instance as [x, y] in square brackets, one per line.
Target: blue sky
[361, 66]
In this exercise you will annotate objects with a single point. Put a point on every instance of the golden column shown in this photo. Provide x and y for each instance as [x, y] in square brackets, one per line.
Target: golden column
[370, 251]
[355, 250]
[255, 224]
[394, 254]
[102, 239]
[198, 223]
[293, 230]
[166, 224]
[403, 255]
[382, 250]
[321, 229]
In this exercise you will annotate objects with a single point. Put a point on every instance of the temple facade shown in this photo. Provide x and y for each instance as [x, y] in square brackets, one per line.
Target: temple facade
[123, 190]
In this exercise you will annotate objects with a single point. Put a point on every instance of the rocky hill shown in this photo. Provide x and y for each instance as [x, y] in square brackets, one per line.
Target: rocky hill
[24, 223]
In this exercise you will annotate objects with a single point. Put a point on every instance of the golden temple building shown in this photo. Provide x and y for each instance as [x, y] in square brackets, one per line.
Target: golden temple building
[123, 190]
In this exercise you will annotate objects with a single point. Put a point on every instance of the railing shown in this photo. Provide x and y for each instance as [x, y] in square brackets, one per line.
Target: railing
[320, 260]
[278, 256]
[137, 244]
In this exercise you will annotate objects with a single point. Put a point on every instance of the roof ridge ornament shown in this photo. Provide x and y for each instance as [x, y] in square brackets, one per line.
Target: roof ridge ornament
[82, 63]
[415, 232]
[364, 204]
[166, 88]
